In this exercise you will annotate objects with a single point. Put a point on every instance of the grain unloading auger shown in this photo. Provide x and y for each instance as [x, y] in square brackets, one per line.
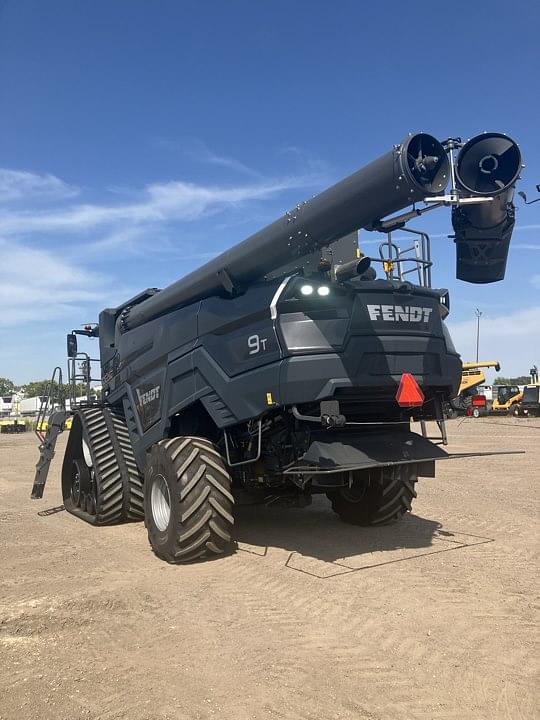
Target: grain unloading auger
[285, 367]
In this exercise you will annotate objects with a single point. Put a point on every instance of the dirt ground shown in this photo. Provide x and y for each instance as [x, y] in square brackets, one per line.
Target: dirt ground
[431, 618]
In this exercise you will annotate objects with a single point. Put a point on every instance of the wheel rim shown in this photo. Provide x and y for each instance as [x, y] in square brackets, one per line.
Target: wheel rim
[356, 492]
[160, 501]
[86, 453]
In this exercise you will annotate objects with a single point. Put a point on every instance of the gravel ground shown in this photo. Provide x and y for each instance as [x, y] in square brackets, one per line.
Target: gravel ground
[433, 617]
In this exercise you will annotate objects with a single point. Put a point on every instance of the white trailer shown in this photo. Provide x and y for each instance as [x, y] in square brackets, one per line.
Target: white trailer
[30, 406]
[6, 405]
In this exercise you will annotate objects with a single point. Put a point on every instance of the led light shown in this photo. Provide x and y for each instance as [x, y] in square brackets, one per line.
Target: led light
[323, 290]
[306, 289]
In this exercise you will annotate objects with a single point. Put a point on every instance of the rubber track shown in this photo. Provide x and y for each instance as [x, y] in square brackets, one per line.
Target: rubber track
[134, 494]
[119, 481]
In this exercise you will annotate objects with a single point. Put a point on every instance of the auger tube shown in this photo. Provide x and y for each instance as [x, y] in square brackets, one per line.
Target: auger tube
[416, 168]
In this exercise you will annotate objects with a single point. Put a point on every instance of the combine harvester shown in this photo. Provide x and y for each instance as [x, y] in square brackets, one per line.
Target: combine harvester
[285, 367]
[472, 378]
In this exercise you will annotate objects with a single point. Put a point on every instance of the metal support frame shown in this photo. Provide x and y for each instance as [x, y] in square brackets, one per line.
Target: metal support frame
[251, 460]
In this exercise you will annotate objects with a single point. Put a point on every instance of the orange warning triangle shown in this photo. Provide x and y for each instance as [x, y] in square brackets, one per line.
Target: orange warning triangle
[409, 393]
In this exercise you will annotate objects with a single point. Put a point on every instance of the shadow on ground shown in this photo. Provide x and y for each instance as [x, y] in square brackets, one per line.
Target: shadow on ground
[318, 533]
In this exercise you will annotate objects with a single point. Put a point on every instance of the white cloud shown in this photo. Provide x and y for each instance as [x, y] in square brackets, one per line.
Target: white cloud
[16, 185]
[199, 151]
[133, 241]
[525, 246]
[160, 202]
[36, 285]
[306, 159]
[511, 339]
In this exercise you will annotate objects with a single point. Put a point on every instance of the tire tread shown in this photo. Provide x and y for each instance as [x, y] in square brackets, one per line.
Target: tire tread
[202, 515]
[384, 502]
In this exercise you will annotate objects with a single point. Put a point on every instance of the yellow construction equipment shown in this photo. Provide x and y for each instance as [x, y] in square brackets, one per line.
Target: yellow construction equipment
[505, 397]
[12, 425]
[529, 405]
[466, 400]
[43, 425]
[472, 375]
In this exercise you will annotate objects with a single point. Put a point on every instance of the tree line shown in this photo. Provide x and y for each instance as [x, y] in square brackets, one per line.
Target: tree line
[520, 380]
[41, 387]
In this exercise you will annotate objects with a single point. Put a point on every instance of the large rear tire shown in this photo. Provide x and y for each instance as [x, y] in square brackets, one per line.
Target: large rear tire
[188, 502]
[377, 496]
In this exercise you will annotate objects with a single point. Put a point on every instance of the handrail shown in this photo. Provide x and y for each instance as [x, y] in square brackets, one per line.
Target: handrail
[44, 407]
[80, 373]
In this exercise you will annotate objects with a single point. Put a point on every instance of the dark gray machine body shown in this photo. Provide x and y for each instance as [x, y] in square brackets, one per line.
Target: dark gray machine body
[263, 348]
[243, 358]
[290, 365]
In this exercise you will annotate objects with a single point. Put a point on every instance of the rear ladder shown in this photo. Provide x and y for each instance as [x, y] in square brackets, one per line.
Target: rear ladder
[53, 410]
[54, 398]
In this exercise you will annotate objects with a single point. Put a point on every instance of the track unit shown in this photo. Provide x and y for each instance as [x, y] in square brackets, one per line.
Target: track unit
[101, 483]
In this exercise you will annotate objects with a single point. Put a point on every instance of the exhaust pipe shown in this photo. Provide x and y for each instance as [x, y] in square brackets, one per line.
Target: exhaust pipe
[352, 269]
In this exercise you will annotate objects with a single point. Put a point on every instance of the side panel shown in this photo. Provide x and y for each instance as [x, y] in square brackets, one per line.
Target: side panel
[239, 332]
[222, 351]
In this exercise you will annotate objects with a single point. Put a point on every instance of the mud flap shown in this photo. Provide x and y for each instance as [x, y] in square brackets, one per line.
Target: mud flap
[330, 453]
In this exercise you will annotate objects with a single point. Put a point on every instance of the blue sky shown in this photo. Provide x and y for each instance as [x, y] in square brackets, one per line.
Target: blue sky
[138, 139]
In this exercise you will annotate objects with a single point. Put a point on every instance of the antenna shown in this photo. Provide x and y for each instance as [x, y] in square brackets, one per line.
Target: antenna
[524, 197]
